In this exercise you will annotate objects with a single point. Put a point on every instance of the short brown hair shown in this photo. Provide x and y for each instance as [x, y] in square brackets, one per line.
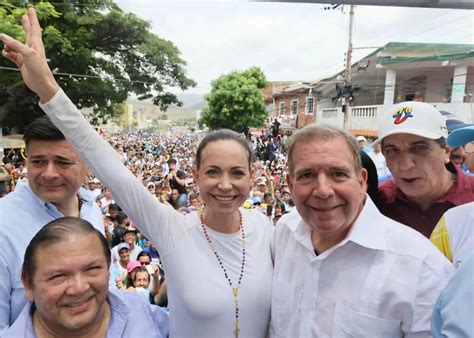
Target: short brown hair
[54, 232]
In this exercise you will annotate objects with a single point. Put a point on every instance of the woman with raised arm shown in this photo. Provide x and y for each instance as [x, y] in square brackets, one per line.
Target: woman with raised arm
[218, 263]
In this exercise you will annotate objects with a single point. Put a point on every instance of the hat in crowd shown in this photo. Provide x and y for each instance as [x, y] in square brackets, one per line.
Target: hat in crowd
[257, 200]
[412, 117]
[130, 231]
[461, 136]
[453, 122]
[361, 138]
[150, 185]
[123, 246]
[132, 265]
[94, 180]
[247, 205]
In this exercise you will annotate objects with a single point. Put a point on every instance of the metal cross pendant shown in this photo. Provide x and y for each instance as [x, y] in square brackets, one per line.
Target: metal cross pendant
[235, 291]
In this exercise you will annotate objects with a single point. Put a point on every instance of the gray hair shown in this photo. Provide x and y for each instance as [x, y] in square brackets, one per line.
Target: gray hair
[322, 132]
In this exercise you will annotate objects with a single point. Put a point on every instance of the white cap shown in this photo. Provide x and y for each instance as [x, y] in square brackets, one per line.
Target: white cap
[361, 138]
[412, 117]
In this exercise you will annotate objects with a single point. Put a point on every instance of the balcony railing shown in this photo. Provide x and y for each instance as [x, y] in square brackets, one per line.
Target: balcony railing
[365, 117]
[364, 111]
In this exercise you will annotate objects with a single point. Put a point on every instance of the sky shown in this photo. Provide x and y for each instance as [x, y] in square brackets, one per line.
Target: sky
[288, 41]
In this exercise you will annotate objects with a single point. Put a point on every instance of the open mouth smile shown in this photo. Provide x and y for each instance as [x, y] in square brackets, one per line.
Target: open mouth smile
[224, 198]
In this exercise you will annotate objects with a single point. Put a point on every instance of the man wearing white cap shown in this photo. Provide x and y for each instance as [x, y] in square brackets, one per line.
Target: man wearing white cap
[94, 187]
[362, 143]
[425, 184]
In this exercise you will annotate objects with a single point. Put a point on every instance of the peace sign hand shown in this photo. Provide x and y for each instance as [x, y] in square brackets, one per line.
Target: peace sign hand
[30, 58]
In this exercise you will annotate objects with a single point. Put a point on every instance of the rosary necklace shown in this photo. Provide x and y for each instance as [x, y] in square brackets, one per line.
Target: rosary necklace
[235, 290]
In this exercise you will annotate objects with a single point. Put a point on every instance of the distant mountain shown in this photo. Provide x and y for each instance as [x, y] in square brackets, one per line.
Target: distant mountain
[199, 105]
[191, 104]
[190, 100]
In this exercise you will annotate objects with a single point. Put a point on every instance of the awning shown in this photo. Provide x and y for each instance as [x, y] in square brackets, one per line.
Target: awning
[364, 132]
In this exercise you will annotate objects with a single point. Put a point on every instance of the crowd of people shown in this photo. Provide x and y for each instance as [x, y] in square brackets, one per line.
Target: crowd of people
[314, 234]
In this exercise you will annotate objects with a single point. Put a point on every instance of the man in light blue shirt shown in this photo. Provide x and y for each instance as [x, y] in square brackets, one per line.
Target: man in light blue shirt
[53, 190]
[454, 310]
[65, 273]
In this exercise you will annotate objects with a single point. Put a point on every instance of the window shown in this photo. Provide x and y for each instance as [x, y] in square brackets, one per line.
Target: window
[310, 105]
[294, 107]
[282, 108]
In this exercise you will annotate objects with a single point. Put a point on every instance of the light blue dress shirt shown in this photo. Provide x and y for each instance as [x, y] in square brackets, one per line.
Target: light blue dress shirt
[454, 311]
[22, 215]
[131, 316]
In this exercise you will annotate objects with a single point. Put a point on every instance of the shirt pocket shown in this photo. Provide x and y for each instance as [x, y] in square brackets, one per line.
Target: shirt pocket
[349, 323]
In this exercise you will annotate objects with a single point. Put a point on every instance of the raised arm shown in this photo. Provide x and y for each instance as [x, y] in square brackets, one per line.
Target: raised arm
[158, 222]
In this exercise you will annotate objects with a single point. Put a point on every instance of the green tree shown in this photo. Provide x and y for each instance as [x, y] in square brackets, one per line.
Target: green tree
[236, 101]
[99, 55]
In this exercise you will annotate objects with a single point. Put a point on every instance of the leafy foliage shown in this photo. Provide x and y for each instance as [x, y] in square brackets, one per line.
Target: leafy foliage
[236, 101]
[99, 55]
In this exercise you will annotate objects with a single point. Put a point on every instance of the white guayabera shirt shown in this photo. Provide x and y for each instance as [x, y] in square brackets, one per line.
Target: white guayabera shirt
[381, 281]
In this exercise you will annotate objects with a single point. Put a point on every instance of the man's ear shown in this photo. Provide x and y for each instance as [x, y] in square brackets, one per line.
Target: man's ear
[28, 287]
[363, 177]
[447, 154]
[289, 181]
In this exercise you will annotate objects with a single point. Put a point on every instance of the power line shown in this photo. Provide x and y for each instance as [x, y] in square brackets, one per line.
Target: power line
[86, 76]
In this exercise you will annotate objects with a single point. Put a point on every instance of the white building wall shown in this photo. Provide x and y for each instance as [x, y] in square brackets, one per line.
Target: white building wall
[438, 85]
[365, 117]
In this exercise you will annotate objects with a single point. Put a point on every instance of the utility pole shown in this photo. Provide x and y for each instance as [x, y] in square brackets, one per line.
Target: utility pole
[348, 77]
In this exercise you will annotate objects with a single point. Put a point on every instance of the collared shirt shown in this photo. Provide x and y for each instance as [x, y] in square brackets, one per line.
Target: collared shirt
[395, 205]
[382, 280]
[23, 214]
[130, 316]
[454, 233]
[454, 310]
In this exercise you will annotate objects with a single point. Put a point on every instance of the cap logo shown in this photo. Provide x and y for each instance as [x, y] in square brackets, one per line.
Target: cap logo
[402, 114]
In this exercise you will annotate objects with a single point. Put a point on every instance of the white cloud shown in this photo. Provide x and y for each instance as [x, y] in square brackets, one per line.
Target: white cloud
[288, 41]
